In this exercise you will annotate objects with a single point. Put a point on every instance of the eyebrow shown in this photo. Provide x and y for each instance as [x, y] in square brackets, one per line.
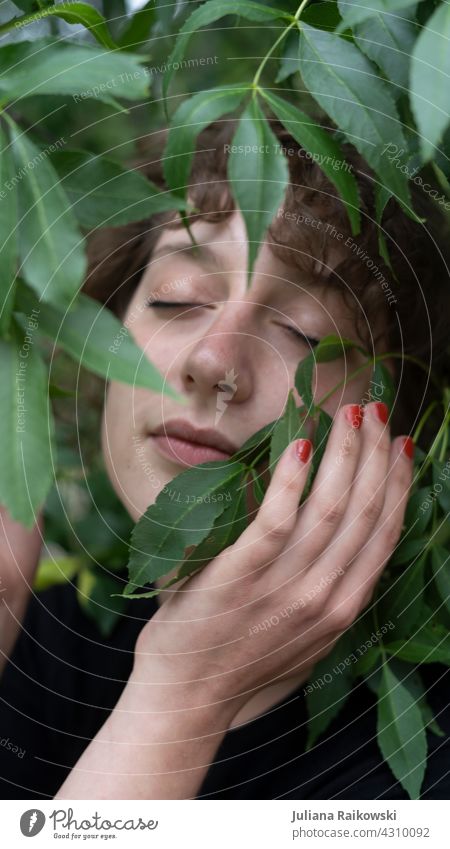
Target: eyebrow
[204, 252]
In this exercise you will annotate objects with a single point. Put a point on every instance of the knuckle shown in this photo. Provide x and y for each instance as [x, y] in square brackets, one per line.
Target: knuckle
[371, 509]
[342, 617]
[392, 534]
[330, 512]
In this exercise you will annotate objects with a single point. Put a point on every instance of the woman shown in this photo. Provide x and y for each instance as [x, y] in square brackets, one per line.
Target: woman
[192, 697]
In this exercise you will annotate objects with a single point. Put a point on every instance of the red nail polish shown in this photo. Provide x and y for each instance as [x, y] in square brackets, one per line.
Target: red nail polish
[354, 415]
[382, 411]
[408, 447]
[303, 450]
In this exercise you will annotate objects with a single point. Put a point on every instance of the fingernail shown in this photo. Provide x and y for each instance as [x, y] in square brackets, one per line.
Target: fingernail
[354, 415]
[303, 450]
[408, 447]
[381, 410]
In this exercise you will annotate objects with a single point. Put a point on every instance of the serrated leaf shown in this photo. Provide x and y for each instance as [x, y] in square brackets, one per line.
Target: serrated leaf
[328, 689]
[407, 550]
[189, 120]
[288, 427]
[355, 12]
[428, 644]
[325, 151]
[8, 234]
[258, 487]
[257, 443]
[78, 13]
[258, 174]
[430, 72]
[332, 347]
[387, 40]
[44, 66]
[209, 13]
[26, 427]
[94, 337]
[177, 520]
[50, 245]
[348, 88]
[103, 194]
[400, 732]
[303, 381]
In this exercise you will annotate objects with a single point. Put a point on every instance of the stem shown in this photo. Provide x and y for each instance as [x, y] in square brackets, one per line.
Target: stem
[280, 38]
[423, 420]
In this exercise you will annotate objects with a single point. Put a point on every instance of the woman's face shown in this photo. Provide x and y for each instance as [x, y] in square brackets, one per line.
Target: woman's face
[245, 338]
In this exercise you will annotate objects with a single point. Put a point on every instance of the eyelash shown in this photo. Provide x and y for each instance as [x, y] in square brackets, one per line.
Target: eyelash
[309, 340]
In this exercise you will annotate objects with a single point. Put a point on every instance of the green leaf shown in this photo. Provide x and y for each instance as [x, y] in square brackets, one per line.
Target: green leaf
[402, 601]
[382, 197]
[355, 12]
[77, 13]
[418, 514]
[303, 381]
[137, 30]
[258, 487]
[52, 571]
[332, 347]
[348, 88]
[258, 174]
[26, 426]
[257, 443]
[400, 732]
[226, 529]
[407, 550]
[103, 194]
[31, 5]
[44, 66]
[430, 71]
[188, 121]
[207, 14]
[387, 40]
[325, 151]
[382, 386]
[441, 484]
[328, 689]
[182, 515]
[429, 644]
[440, 558]
[288, 427]
[429, 720]
[8, 234]
[95, 338]
[288, 60]
[51, 248]
[324, 425]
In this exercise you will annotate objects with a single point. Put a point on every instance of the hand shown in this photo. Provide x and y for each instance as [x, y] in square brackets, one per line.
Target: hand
[276, 601]
[19, 556]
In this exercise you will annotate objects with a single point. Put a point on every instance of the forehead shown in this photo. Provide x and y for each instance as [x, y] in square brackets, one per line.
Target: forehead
[223, 246]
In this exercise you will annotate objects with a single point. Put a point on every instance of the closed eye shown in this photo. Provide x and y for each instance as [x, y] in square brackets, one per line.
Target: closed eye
[172, 304]
[309, 340]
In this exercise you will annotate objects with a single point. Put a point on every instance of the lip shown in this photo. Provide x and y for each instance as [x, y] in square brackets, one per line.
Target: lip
[181, 441]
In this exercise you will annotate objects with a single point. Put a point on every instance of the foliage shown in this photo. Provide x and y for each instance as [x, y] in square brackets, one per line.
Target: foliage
[377, 73]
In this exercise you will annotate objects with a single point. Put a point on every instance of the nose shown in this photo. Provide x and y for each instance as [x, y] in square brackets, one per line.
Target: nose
[222, 358]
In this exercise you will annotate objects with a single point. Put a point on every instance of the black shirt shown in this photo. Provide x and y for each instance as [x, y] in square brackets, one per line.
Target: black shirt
[63, 679]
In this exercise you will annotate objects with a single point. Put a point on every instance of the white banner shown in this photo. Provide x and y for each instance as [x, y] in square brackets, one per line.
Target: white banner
[221, 824]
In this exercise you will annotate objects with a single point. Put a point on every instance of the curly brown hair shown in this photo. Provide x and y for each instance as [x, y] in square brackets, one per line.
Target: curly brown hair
[415, 310]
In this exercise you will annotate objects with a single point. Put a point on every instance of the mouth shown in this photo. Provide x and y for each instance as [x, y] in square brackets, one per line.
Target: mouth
[186, 445]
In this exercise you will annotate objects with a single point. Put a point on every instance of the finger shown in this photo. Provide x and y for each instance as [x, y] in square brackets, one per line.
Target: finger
[367, 491]
[323, 510]
[265, 537]
[358, 584]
